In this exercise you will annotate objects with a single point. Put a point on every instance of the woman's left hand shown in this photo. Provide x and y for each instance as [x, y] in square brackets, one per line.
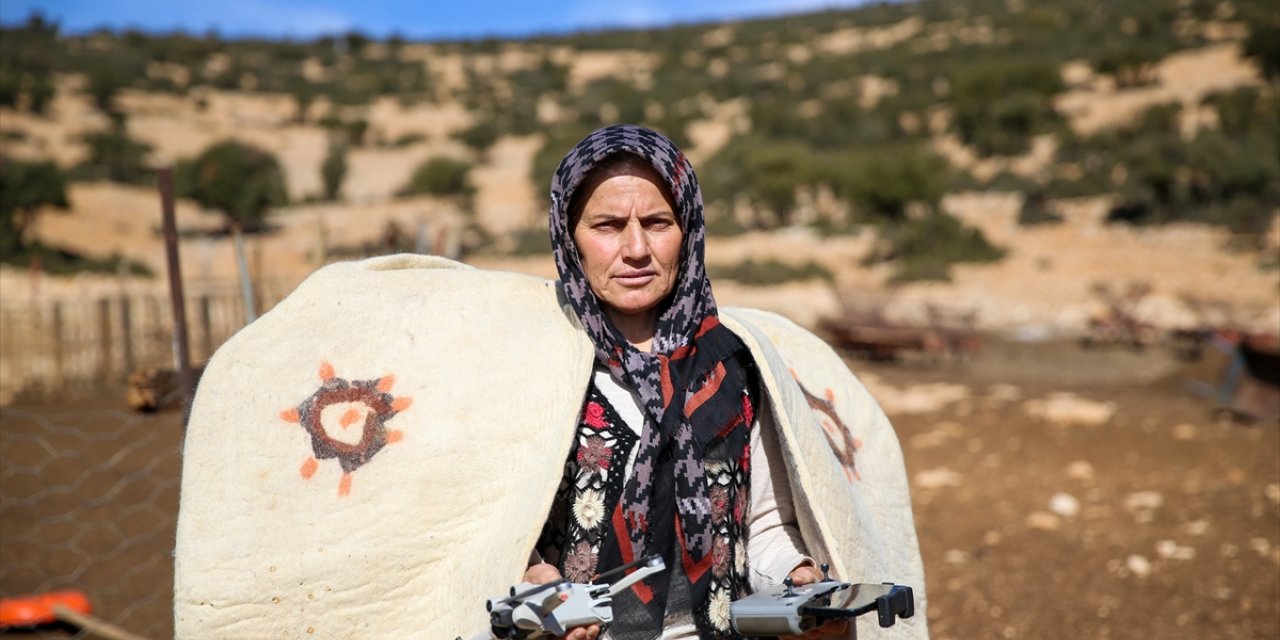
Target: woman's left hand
[809, 575]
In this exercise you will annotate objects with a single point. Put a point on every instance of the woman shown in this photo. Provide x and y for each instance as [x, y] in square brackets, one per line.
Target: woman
[675, 448]
[377, 456]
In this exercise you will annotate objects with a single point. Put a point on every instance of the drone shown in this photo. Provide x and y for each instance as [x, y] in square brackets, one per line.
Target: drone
[549, 610]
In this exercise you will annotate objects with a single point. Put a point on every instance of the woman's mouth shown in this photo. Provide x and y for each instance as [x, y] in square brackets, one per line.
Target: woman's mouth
[635, 278]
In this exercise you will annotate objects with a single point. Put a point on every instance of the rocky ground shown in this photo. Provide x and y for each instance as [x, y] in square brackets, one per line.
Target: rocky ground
[1065, 493]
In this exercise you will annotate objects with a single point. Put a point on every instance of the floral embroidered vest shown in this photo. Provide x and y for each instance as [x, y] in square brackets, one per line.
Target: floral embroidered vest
[593, 480]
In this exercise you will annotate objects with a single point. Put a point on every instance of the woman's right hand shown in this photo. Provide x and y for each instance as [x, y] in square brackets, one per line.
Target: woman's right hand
[543, 573]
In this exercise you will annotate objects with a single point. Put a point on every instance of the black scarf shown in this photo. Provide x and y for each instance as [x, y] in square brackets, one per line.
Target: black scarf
[694, 391]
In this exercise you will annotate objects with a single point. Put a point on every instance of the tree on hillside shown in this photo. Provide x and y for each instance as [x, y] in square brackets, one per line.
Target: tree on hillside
[334, 170]
[925, 248]
[480, 136]
[441, 176]
[1263, 42]
[241, 181]
[766, 172]
[1000, 105]
[883, 184]
[114, 156]
[29, 55]
[25, 189]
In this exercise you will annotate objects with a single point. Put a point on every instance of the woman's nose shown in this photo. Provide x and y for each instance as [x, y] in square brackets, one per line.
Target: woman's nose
[634, 243]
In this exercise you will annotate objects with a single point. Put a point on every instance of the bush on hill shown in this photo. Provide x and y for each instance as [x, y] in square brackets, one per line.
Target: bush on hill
[440, 176]
[240, 180]
[334, 169]
[25, 189]
[768, 272]
[924, 248]
[114, 156]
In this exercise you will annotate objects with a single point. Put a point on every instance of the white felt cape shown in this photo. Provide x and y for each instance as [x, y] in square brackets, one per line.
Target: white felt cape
[450, 394]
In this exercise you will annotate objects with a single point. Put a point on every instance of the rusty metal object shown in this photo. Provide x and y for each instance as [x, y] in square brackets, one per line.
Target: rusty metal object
[1119, 323]
[866, 333]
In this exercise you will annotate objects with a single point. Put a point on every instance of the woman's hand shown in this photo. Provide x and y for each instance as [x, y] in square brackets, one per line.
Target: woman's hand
[808, 575]
[543, 573]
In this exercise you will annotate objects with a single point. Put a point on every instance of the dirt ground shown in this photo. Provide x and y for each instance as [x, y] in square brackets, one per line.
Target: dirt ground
[1170, 524]
[1160, 520]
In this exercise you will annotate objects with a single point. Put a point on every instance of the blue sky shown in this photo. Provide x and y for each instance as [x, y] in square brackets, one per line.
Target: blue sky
[417, 19]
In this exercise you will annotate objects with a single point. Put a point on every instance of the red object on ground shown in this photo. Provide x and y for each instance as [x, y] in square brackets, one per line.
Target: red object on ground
[27, 611]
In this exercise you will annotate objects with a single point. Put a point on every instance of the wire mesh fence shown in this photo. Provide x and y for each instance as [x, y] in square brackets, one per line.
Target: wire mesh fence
[89, 501]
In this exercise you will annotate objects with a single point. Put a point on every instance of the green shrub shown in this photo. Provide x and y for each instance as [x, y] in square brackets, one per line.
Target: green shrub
[440, 176]
[353, 131]
[108, 74]
[1243, 110]
[882, 184]
[61, 262]
[723, 223]
[114, 156]
[241, 181]
[1159, 119]
[26, 188]
[1263, 42]
[10, 88]
[30, 53]
[535, 240]
[479, 136]
[1217, 179]
[926, 247]
[768, 272]
[559, 141]
[408, 139]
[999, 105]
[40, 90]
[1132, 63]
[774, 172]
[767, 172]
[1035, 211]
[334, 169]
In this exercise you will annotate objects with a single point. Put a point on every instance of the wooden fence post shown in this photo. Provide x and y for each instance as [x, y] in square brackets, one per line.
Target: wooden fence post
[206, 327]
[104, 340]
[182, 355]
[59, 378]
[126, 333]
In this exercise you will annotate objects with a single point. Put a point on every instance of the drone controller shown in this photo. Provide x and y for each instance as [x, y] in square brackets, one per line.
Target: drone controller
[792, 610]
[532, 611]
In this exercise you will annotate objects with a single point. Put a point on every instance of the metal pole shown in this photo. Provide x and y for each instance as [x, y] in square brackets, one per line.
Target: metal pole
[165, 178]
[246, 288]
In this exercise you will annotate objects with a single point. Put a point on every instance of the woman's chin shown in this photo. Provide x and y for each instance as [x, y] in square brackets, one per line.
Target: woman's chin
[635, 304]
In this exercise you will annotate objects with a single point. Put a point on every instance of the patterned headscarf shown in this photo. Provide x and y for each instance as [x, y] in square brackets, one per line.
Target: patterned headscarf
[693, 388]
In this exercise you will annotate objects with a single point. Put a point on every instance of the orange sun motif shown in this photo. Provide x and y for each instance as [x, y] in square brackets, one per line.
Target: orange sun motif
[839, 437]
[367, 399]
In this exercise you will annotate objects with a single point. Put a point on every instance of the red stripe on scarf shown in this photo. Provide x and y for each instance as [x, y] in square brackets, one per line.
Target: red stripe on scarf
[693, 570]
[708, 323]
[668, 390]
[709, 388]
[623, 535]
[728, 428]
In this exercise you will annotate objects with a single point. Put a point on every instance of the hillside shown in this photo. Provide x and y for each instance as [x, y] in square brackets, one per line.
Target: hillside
[1002, 157]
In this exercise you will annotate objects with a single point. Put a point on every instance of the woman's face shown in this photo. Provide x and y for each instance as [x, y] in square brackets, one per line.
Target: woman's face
[629, 242]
